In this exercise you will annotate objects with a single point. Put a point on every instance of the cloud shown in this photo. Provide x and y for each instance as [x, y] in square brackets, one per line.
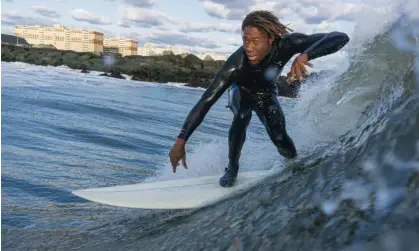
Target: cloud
[141, 17]
[312, 11]
[124, 24]
[216, 9]
[324, 27]
[10, 30]
[235, 4]
[140, 3]
[271, 6]
[106, 32]
[45, 11]
[89, 17]
[334, 11]
[147, 18]
[164, 37]
[228, 9]
[11, 18]
[179, 38]
[208, 27]
[234, 41]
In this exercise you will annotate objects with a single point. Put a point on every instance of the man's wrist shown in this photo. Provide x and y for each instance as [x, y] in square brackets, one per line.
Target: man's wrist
[180, 141]
[307, 54]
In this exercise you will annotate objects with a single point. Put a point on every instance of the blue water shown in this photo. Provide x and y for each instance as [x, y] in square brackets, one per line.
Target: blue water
[63, 130]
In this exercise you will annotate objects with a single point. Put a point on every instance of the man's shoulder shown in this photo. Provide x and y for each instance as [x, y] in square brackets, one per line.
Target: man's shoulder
[293, 38]
[236, 57]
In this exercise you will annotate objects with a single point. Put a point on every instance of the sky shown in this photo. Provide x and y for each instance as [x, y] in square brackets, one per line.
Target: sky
[200, 26]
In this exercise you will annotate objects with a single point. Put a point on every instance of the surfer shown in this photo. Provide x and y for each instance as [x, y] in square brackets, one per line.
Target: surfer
[253, 70]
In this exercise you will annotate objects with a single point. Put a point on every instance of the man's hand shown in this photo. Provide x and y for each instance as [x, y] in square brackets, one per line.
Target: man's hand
[298, 67]
[177, 153]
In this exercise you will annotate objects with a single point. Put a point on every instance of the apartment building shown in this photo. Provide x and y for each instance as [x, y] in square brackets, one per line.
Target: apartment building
[149, 50]
[126, 47]
[80, 40]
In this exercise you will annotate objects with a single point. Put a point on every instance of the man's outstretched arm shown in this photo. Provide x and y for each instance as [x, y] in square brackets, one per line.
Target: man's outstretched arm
[214, 91]
[311, 47]
[317, 45]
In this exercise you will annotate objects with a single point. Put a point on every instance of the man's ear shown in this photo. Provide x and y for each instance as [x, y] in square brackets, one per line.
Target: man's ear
[270, 40]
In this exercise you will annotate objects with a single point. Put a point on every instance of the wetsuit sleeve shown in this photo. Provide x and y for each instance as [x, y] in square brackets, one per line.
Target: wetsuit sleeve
[215, 90]
[316, 45]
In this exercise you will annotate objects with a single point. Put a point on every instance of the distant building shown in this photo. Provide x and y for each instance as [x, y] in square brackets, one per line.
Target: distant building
[80, 40]
[150, 50]
[13, 40]
[146, 50]
[168, 52]
[126, 47]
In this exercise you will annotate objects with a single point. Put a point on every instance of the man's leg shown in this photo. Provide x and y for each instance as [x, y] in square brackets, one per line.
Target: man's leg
[271, 115]
[237, 135]
[234, 98]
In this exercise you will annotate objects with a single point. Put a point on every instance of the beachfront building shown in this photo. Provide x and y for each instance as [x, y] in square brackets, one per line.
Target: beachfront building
[79, 40]
[126, 47]
[150, 50]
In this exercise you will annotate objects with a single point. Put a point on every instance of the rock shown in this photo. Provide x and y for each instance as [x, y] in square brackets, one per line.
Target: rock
[116, 73]
[187, 69]
[161, 69]
[84, 69]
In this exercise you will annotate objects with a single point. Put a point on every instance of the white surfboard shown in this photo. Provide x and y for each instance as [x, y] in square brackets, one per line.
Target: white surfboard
[171, 194]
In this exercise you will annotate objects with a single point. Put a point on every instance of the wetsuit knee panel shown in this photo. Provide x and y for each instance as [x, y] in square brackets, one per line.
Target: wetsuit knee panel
[234, 98]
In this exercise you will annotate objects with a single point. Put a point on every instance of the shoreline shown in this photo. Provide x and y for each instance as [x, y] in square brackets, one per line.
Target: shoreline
[189, 71]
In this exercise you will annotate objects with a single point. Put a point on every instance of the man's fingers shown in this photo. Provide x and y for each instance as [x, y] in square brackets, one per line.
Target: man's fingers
[184, 162]
[292, 75]
[310, 64]
[174, 162]
[299, 75]
[303, 68]
[293, 69]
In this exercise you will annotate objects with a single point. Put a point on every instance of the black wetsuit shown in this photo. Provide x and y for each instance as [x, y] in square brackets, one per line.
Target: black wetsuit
[256, 90]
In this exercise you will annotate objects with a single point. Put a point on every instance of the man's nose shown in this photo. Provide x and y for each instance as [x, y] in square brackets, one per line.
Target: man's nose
[248, 48]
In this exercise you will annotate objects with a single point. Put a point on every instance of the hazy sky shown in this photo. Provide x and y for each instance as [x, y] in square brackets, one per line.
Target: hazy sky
[197, 25]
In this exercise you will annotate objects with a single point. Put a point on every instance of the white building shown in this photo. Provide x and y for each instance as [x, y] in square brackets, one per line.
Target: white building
[150, 50]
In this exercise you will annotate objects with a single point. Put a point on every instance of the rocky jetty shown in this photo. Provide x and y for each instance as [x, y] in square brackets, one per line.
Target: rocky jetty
[161, 69]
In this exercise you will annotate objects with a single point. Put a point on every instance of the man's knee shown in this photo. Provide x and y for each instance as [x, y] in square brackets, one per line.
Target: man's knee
[242, 118]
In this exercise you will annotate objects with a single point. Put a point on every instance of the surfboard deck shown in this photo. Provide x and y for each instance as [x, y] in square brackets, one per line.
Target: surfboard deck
[171, 194]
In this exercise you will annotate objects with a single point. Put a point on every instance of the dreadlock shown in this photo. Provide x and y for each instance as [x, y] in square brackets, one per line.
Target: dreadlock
[267, 23]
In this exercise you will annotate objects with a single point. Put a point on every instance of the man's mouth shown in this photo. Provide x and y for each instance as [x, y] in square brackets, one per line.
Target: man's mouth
[251, 57]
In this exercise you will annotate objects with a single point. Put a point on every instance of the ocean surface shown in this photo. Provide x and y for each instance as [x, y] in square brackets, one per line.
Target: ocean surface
[355, 185]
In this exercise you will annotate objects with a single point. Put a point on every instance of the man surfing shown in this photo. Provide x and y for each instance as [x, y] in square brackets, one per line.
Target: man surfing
[253, 70]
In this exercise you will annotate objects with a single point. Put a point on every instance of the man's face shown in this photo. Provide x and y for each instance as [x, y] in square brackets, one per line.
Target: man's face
[255, 44]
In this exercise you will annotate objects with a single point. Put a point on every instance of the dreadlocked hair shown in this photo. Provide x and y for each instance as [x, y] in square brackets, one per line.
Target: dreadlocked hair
[267, 23]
